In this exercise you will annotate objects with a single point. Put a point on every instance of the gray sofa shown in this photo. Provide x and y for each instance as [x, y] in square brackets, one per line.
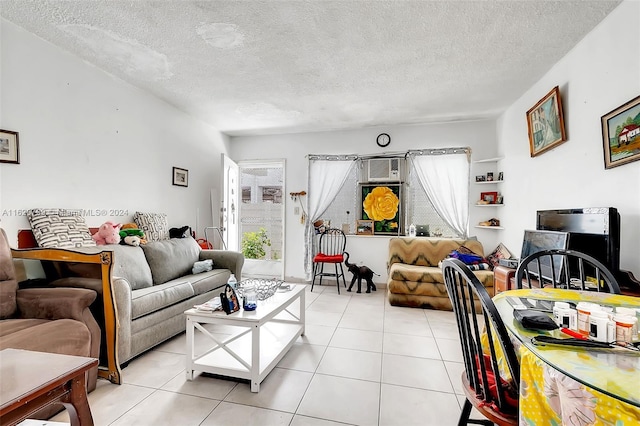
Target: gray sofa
[152, 286]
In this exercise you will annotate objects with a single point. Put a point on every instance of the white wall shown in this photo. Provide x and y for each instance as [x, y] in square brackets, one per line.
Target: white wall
[601, 73]
[479, 135]
[89, 140]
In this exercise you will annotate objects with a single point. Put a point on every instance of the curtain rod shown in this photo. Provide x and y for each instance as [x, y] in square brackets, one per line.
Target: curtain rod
[398, 154]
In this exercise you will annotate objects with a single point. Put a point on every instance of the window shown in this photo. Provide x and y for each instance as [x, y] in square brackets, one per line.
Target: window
[345, 208]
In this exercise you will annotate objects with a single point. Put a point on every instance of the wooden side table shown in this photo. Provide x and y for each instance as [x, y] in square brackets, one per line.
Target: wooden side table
[502, 277]
[32, 380]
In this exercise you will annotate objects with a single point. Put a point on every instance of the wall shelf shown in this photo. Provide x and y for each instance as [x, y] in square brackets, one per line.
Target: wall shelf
[490, 205]
[489, 227]
[490, 182]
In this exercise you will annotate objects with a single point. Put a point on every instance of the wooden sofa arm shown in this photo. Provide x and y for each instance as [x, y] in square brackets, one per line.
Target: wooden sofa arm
[103, 259]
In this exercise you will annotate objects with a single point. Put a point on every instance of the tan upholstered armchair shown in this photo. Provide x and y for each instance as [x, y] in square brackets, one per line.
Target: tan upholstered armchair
[55, 320]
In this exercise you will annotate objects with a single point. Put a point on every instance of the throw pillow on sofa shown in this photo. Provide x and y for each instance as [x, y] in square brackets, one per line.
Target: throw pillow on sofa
[154, 225]
[59, 228]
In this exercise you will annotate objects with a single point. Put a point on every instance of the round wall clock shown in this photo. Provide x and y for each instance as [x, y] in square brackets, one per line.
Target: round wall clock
[383, 140]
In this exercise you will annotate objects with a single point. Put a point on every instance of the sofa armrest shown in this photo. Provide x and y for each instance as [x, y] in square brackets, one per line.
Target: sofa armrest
[232, 260]
[122, 294]
[54, 303]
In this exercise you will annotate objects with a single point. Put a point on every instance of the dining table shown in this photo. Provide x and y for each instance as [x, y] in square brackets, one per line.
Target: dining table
[571, 385]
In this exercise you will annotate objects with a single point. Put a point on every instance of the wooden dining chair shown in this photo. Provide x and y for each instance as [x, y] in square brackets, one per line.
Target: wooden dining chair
[567, 269]
[484, 387]
[330, 250]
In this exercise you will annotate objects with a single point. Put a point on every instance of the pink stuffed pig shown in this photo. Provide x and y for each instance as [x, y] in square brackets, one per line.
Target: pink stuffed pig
[108, 233]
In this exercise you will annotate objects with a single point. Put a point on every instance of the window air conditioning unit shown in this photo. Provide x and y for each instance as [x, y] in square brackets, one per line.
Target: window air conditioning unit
[383, 169]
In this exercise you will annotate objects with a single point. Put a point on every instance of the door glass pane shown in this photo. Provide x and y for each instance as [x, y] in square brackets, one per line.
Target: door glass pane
[262, 198]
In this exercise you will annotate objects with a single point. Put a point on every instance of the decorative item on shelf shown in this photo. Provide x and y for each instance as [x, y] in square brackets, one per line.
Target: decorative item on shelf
[489, 176]
[480, 178]
[9, 148]
[500, 199]
[500, 176]
[364, 227]
[491, 222]
[488, 197]
[621, 134]
[546, 123]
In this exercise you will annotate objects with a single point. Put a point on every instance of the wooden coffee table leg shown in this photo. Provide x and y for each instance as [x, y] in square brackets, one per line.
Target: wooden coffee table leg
[77, 404]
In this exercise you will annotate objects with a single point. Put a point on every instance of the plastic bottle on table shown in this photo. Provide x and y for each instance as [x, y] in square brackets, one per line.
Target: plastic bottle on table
[232, 281]
[412, 230]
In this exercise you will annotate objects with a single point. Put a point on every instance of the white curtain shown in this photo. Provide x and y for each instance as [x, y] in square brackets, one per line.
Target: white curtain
[326, 177]
[445, 179]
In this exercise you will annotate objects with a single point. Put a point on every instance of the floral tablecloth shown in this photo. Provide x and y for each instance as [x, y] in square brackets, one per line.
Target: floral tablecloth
[548, 396]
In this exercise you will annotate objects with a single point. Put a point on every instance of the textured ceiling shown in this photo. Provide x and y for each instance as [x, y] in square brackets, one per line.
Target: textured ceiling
[259, 67]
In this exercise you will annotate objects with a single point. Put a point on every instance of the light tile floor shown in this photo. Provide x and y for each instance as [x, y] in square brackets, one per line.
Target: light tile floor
[360, 362]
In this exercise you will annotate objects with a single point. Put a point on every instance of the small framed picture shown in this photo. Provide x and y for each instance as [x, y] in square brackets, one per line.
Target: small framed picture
[489, 176]
[364, 227]
[621, 134]
[489, 197]
[9, 149]
[180, 177]
[480, 178]
[229, 300]
[546, 123]
[500, 176]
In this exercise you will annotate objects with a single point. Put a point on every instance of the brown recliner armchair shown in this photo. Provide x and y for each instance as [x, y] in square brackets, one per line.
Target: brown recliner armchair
[55, 320]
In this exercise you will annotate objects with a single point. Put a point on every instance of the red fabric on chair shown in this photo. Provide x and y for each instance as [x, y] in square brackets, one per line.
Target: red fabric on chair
[509, 394]
[321, 257]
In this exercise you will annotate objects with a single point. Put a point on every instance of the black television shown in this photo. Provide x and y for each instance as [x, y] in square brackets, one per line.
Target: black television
[535, 241]
[593, 230]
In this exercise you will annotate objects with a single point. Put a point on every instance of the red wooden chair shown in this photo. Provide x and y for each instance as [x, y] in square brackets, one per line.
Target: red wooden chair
[330, 250]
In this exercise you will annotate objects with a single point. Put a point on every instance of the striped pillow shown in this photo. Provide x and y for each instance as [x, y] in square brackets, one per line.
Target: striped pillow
[154, 225]
[59, 228]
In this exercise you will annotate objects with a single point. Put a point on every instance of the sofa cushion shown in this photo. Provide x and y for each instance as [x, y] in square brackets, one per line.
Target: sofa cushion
[154, 225]
[59, 228]
[65, 336]
[206, 281]
[131, 264]
[158, 297]
[172, 258]
[427, 251]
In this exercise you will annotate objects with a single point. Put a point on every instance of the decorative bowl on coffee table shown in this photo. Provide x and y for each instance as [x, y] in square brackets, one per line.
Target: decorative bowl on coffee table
[265, 288]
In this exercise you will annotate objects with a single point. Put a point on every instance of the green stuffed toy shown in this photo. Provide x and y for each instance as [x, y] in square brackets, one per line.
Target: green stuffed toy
[131, 230]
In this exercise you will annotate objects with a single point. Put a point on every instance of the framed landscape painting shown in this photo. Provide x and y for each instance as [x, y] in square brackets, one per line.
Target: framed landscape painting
[546, 123]
[381, 204]
[621, 134]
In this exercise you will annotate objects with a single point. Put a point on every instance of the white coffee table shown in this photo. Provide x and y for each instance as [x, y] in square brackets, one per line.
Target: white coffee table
[259, 340]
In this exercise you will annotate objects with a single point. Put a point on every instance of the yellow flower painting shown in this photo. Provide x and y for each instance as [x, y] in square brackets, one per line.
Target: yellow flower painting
[380, 203]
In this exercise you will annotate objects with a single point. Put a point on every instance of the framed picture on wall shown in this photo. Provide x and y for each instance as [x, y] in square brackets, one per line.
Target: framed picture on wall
[621, 134]
[546, 123]
[180, 177]
[382, 203]
[9, 148]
